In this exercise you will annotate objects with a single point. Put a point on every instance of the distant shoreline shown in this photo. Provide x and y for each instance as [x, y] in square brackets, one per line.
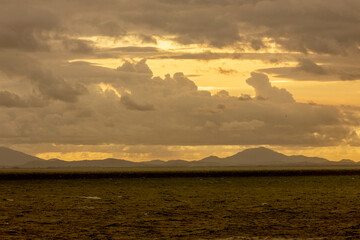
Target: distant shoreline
[28, 174]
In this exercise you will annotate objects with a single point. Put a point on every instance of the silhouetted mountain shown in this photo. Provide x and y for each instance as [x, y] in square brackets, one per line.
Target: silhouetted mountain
[309, 160]
[262, 156]
[56, 163]
[178, 163]
[154, 163]
[211, 159]
[256, 156]
[10, 158]
[253, 157]
[346, 162]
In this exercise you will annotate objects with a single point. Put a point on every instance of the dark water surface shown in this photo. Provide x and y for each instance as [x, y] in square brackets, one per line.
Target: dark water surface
[181, 208]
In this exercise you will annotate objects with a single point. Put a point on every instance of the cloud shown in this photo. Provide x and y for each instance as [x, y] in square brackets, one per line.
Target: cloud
[320, 26]
[257, 44]
[46, 83]
[132, 105]
[242, 126]
[226, 71]
[172, 111]
[55, 87]
[142, 67]
[245, 97]
[78, 46]
[263, 89]
[308, 70]
[28, 27]
[9, 99]
[127, 67]
[139, 67]
[46, 98]
[206, 56]
[307, 65]
[135, 49]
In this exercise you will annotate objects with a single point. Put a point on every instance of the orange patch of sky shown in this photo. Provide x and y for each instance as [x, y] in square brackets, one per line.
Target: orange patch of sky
[334, 153]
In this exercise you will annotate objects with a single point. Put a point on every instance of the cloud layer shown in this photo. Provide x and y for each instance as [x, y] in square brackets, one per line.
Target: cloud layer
[130, 106]
[47, 95]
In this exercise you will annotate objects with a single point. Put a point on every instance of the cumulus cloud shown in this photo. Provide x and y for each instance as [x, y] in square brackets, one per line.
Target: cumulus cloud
[263, 89]
[139, 67]
[132, 105]
[172, 111]
[127, 67]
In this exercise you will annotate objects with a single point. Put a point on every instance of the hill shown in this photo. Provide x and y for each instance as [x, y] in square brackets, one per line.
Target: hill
[253, 157]
[10, 158]
[56, 163]
[262, 156]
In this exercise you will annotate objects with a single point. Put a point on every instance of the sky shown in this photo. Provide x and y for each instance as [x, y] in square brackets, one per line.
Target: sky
[166, 79]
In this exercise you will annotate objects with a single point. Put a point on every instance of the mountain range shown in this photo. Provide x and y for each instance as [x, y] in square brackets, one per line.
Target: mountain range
[253, 157]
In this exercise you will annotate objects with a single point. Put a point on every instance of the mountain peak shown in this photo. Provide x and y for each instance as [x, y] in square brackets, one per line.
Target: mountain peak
[259, 149]
[256, 156]
[346, 161]
[211, 159]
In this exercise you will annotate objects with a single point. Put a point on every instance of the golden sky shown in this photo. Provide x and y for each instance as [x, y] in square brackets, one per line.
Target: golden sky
[145, 80]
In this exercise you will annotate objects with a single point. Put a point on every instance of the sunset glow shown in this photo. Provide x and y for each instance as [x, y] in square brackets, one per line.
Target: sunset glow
[180, 80]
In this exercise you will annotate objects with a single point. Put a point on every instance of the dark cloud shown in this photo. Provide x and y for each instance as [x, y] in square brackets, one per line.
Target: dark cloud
[208, 55]
[132, 105]
[222, 93]
[78, 46]
[317, 26]
[308, 70]
[321, 26]
[135, 49]
[26, 26]
[110, 28]
[9, 99]
[147, 38]
[307, 65]
[245, 97]
[346, 76]
[226, 71]
[257, 44]
[55, 87]
[44, 81]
